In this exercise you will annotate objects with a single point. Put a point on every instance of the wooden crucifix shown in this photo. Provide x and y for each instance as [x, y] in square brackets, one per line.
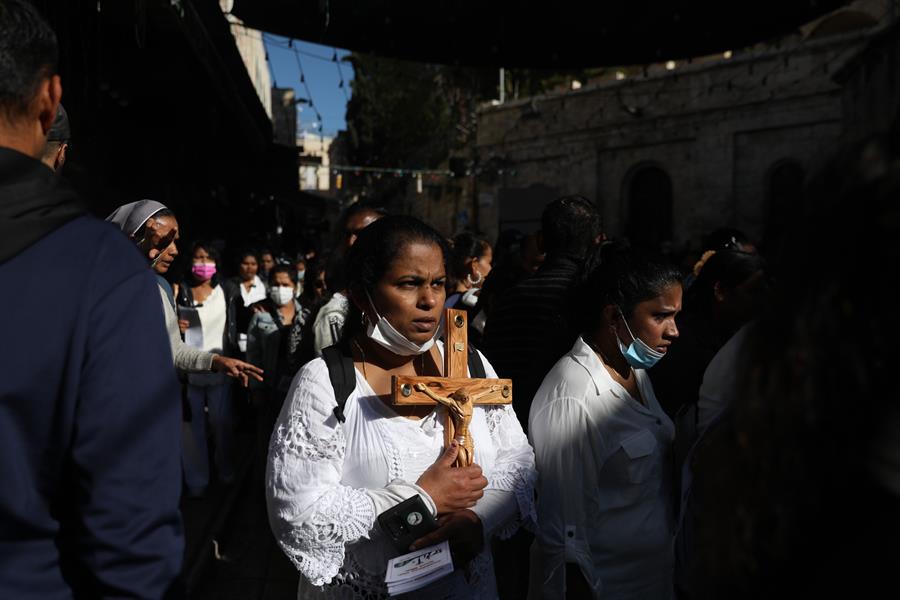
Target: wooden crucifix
[457, 392]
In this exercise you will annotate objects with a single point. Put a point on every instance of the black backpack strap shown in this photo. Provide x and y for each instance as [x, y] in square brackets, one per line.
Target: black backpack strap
[342, 374]
[476, 366]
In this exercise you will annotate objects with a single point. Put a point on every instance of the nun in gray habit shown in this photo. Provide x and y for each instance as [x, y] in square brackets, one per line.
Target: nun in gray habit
[152, 227]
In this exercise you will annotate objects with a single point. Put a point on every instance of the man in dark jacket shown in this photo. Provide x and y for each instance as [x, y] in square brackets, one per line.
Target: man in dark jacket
[89, 413]
[529, 328]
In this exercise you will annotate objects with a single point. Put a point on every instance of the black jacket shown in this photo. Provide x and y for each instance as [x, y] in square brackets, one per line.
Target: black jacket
[89, 413]
[34, 202]
[233, 301]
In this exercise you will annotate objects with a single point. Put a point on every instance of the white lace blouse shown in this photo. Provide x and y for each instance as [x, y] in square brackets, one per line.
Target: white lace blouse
[326, 482]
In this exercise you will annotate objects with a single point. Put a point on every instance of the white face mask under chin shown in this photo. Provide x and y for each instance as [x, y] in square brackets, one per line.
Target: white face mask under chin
[383, 333]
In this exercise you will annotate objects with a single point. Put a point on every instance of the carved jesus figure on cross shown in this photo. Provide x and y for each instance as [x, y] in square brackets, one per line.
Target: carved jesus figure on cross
[459, 408]
[458, 393]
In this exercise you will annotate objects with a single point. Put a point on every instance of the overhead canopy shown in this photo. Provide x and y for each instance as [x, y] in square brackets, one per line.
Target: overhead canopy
[553, 34]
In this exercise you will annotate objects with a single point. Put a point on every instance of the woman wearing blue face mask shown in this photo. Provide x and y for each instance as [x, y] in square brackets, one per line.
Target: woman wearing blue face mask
[603, 443]
[328, 478]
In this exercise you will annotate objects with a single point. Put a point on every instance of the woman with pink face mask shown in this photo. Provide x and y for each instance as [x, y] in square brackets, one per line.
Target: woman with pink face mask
[207, 316]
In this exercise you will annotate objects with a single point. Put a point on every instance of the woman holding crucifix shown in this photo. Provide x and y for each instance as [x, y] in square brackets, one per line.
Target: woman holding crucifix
[603, 443]
[328, 480]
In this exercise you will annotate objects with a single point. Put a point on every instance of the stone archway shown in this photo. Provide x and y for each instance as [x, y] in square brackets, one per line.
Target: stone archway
[784, 200]
[649, 202]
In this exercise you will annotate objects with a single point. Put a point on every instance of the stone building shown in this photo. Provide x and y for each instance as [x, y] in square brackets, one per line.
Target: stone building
[672, 150]
[284, 116]
[313, 148]
[167, 81]
[253, 52]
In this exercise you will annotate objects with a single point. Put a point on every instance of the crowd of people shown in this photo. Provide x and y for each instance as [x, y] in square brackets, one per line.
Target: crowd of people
[729, 430]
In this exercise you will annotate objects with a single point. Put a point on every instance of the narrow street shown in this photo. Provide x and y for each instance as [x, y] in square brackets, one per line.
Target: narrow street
[230, 553]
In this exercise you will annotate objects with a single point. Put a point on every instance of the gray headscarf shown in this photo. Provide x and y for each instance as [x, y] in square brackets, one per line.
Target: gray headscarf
[130, 217]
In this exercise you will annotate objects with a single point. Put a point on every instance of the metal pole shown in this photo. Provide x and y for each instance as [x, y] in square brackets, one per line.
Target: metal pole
[502, 85]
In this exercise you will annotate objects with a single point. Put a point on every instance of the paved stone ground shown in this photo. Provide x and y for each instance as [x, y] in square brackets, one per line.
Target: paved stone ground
[249, 565]
[230, 551]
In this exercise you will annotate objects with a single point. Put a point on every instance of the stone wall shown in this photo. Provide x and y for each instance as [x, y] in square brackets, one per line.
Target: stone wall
[716, 129]
[871, 84]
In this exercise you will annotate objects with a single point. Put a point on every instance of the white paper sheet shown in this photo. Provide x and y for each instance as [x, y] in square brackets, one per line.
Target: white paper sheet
[193, 337]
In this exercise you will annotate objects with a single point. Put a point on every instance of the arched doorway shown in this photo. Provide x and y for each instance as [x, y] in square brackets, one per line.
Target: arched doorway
[649, 195]
[784, 201]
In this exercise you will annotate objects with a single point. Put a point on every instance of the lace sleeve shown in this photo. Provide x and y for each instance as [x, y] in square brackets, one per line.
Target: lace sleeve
[514, 470]
[312, 515]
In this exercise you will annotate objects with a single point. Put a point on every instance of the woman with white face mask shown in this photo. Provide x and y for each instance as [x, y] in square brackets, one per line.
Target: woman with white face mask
[328, 479]
[271, 339]
[603, 443]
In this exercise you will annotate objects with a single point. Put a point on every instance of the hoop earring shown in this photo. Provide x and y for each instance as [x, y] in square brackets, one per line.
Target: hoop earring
[477, 281]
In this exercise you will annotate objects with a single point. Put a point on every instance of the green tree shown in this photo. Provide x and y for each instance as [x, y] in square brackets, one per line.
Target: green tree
[408, 115]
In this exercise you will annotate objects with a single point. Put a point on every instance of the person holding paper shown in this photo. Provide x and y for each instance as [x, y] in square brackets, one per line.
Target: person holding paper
[154, 228]
[210, 311]
[328, 479]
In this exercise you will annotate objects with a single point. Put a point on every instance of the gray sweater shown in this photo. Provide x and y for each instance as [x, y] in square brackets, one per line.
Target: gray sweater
[186, 358]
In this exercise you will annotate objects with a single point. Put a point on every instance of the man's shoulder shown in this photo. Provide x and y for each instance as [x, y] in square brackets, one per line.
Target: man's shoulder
[540, 288]
[87, 245]
[101, 232]
[558, 273]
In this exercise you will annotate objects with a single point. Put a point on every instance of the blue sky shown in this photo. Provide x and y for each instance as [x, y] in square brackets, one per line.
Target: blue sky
[322, 79]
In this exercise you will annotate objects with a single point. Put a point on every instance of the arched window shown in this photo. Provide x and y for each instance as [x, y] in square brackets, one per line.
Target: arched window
[649, 195]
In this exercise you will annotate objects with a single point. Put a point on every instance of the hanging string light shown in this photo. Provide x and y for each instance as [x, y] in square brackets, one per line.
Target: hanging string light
[297, 50]
[318, 125]
[340, 76]
[289, 45]
[396, 172]
[271, 70]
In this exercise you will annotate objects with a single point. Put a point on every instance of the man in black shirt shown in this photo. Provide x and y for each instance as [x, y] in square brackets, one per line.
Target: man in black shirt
[529, 328]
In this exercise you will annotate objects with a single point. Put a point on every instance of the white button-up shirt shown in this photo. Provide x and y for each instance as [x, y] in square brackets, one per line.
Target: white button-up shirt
[256, 292]
[604, 482]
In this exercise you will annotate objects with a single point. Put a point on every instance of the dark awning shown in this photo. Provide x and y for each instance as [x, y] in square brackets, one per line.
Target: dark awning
[558, 33]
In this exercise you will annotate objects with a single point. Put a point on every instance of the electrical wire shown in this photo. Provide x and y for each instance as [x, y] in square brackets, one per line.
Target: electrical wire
[342, 84]
[309, 95]
[384, 170]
